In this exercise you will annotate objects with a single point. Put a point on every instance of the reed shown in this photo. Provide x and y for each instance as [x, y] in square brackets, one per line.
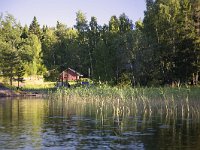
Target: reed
[176, 102]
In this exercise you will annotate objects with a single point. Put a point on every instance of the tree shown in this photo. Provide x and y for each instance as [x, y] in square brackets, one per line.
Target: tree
[32, 67]
[82, 41]
[19, 72]
[185, 54]
[60, 49]
[9, 61]
[25, 32]
[49, 48]
[10, 45]
[196, 14]
[103, 58]
[93, 38]
[169, 28]
[34, 28]
[125, 24]
[196, 17]
[162, 49]
[81, 26]
[114, 24]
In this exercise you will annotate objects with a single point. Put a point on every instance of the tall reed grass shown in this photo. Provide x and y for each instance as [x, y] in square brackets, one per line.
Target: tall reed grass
[176, 102]
[131, 110]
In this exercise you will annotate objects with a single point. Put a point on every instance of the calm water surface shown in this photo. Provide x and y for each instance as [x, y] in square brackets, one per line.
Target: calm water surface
[42, 124]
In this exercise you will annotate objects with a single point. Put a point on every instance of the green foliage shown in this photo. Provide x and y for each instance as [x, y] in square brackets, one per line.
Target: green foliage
[20, 50]
[170, 31]
[161, 49]
[10, 43]
[34, 28]
[19, 71]
[114, 24]
[9, 61]
[125, 80]
[33, 66]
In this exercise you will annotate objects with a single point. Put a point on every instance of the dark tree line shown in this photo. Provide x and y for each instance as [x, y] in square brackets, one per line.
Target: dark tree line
[172, 40]
[163, 48]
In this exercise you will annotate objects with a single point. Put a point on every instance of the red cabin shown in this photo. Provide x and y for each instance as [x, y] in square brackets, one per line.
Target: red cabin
[69, 75]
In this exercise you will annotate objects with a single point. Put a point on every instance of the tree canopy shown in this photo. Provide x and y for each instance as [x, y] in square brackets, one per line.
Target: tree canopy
[163, 48]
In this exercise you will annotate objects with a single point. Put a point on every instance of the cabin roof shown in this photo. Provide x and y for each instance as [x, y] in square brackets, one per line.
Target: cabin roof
[73, 71]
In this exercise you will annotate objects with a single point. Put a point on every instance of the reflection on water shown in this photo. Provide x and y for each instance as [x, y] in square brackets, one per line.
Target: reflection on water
[43, 124]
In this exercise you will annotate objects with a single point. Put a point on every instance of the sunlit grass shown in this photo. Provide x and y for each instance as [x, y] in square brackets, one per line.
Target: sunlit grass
[38, 86]
[29, 83]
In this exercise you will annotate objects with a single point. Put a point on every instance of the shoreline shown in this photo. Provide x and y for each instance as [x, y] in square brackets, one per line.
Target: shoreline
[6, 92]
[11, 93]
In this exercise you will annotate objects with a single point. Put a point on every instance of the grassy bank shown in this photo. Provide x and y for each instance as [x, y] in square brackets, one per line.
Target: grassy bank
[31, 86]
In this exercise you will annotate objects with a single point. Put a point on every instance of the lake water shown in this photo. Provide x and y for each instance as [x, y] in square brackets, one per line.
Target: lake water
[43, 124]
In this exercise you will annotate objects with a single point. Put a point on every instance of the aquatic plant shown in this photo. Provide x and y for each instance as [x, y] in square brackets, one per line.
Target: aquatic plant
[127, 101]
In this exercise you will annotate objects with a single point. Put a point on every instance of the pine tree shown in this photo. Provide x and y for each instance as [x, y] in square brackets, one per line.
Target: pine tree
[34, 28]
[19, 73]
[9, 61]
[25, 33]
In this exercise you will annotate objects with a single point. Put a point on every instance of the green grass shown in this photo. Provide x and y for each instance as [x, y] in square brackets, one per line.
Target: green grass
[44, 85]
[31, 85]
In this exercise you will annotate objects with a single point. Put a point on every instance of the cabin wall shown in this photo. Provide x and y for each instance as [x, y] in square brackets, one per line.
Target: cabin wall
[69, 75]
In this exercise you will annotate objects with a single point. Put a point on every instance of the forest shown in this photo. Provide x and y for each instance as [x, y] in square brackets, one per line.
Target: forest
[161, 49]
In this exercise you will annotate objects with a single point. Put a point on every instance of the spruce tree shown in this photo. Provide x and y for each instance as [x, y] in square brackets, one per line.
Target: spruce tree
[34, 28]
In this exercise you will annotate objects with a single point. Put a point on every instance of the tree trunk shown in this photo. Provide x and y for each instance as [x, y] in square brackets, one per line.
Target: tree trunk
[11, 81]
[91, 65]
[117, 75]
[18, 83]
[63, 78]
[195, 78]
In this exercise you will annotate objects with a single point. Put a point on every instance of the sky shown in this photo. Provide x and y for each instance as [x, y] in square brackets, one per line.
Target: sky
[48, 12]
